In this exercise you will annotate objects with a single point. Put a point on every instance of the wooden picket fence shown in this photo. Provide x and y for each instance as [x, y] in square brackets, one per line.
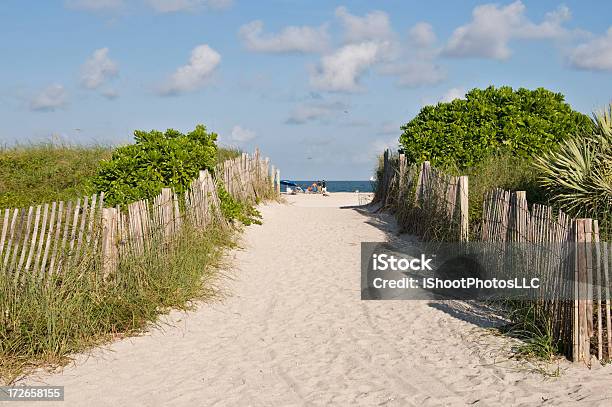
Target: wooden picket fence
[43, 240]
[567, 257]
[427, 202]
[564, 253]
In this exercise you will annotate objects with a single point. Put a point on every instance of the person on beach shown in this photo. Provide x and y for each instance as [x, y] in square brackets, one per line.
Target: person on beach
[323, 187]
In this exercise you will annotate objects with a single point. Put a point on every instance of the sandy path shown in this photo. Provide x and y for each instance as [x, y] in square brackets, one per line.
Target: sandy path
[294, 332]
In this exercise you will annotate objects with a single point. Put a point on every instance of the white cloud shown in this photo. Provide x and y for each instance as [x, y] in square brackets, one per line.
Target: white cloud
[373, 26]
[241, 135]
[452, 94]
[173, 6]
[493, 27]
[94, 5]
[420, 67]
[49, 99]
[371, 42]
[97, 69]
[550, 28]
[194, 75]
[290, 39]
[595, 54]
[315, 111]
[341, 71]
[422, 35]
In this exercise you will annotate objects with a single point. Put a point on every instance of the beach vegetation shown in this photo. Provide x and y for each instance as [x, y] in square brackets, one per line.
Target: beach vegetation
[489, 122]
[577, 174]
[43, 324]
[46, 172]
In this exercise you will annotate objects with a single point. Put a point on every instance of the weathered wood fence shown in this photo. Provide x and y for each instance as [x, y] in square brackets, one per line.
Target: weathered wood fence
[40, 241]
[427, 202]
[567, 257]
[564, 253]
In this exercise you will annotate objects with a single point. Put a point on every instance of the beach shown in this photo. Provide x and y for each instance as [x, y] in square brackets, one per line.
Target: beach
[289, 328]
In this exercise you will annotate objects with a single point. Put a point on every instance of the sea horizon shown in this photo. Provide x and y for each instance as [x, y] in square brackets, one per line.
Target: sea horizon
[339, 185]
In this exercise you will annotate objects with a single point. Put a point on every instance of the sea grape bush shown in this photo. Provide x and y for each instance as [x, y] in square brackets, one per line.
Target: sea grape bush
[157, 160]
[489, 122]
[234, 209]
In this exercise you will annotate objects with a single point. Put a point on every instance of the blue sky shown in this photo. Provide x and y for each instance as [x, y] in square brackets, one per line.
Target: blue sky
[320, 86]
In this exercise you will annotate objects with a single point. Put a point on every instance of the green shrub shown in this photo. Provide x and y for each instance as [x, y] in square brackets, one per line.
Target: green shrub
[157, 160]
[233, 209]
[488, 122]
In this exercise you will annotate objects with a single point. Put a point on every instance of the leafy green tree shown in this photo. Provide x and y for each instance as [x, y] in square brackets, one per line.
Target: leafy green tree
[462, 133]
[157, 160]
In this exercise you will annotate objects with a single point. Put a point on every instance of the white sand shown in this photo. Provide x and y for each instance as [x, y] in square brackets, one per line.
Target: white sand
[295, 332]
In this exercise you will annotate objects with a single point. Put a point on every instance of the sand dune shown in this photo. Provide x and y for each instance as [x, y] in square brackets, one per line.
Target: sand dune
[293, 331]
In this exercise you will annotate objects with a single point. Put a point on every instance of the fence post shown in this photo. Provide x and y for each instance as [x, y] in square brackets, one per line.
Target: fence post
[597, 285]
[464, 218]
[583, 303]
[109, 241]
[424, 171]
[385, 184]
[265, 170]
[277, 185]
[402, 176]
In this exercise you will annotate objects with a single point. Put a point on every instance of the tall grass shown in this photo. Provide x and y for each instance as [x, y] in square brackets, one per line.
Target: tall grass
[507, 172]
[40, 173]
[227, 153]
[37, 173]
[42, 324]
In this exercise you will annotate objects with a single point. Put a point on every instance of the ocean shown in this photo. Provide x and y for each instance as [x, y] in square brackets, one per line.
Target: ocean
[339, 186]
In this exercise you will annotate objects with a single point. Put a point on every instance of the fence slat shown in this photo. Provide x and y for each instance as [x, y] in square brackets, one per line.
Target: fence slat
[597, 285]
[5, 224]
[24, 245]
[463, 208]
[41, 239]
[50, 237]
[56, 240]
[32, 245]
[109, 241]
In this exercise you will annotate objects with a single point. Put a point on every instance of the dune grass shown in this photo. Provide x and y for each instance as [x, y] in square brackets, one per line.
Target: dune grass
[227, 153]
[43, 324]
[507, 172]
[39, 173]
